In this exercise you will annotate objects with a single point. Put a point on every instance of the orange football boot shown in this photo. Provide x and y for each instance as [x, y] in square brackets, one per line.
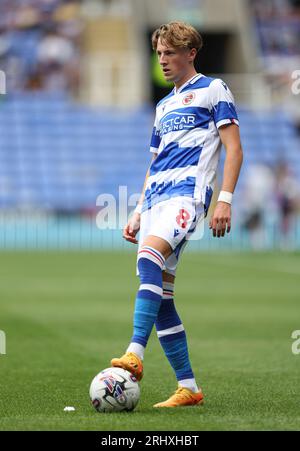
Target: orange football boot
[182, 397]
[130, 362]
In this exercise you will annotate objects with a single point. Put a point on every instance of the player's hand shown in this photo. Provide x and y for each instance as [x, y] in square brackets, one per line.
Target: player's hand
[132, 228]
[221, 219]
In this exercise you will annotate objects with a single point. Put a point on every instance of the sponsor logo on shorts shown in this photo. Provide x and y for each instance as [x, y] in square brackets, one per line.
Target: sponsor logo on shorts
[176, 232]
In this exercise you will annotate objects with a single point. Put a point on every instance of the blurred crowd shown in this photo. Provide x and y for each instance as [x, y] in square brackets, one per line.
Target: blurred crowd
[271, 198]
[278, 27]
[278, 38]
[40, 44]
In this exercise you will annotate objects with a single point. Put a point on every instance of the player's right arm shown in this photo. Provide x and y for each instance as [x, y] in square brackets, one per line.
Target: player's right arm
[133, 225]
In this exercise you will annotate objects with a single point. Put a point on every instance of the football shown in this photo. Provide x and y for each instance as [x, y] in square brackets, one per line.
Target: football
[114, 390]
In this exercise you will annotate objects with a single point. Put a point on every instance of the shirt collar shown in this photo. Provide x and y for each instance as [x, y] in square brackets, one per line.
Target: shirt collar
[191, 81]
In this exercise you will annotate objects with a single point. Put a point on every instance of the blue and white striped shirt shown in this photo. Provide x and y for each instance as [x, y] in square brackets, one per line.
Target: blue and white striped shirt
[186, 140]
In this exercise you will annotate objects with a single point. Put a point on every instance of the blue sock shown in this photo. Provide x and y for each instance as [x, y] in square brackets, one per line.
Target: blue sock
[148, 300]
[173, 340]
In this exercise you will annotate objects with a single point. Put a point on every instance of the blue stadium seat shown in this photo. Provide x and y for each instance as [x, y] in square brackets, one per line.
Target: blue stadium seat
[57, 155]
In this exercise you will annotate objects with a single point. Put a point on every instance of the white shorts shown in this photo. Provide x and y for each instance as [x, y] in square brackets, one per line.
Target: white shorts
[174, 220]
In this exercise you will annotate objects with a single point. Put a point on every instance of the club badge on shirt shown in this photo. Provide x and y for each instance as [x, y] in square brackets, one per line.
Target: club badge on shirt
[189, 98]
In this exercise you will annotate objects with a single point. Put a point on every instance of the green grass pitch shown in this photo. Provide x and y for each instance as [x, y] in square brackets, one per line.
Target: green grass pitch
[66, 315]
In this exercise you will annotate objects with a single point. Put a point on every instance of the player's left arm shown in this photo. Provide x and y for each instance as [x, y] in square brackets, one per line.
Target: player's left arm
[230, 137]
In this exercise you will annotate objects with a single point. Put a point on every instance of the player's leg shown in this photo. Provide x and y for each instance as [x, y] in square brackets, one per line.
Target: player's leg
[172, 336]
[162, 234]
[173, 340]
[151, 259]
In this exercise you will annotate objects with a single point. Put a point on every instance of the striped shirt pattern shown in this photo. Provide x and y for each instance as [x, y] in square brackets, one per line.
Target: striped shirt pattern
[186, 140]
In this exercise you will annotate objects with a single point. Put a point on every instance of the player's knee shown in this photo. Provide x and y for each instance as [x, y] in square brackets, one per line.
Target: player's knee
[150, 265]
[169, 277]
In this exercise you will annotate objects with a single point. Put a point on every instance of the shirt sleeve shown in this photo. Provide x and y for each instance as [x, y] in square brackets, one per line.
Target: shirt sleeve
[155, 138]
[222, 104]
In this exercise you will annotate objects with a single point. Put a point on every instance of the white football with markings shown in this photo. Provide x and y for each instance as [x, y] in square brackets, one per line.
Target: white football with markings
[114, 390]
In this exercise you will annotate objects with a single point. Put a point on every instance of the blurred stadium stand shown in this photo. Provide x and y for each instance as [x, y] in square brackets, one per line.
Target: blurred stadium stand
[59, 156]
[77, 117]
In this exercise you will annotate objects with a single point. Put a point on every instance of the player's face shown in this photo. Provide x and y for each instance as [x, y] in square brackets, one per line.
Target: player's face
[176, 63]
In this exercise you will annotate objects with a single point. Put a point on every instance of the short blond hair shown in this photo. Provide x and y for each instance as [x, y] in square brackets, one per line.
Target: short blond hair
[178, 34]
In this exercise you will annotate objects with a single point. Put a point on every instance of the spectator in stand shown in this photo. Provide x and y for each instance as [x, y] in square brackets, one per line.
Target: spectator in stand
[39, 44]
[258, 202]
[287, 193]
[57, 63]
